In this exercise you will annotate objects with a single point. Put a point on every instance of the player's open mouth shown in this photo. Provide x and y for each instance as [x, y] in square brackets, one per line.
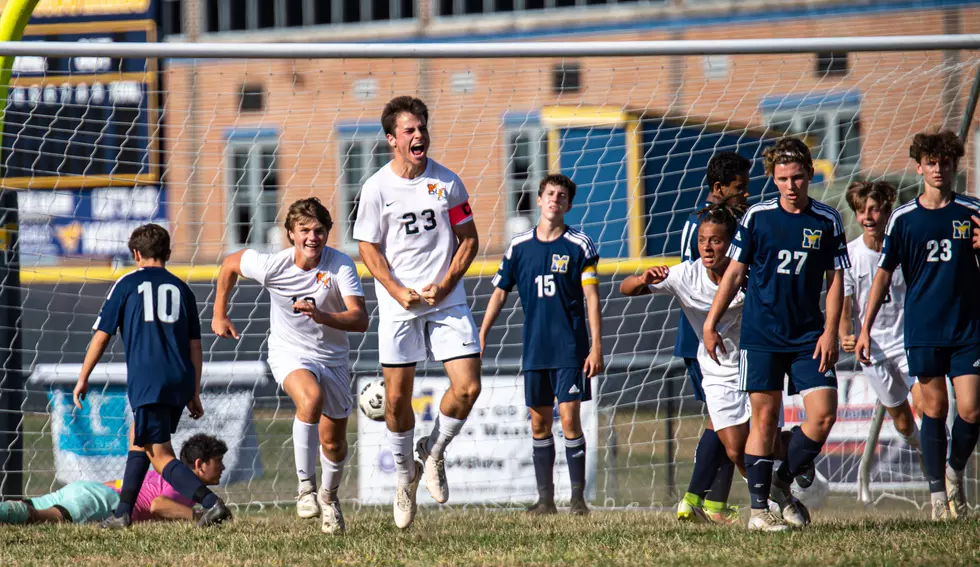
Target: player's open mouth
[418, 150]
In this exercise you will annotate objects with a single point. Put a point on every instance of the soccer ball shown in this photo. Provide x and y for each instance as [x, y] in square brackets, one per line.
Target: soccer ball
[813, 496]
[372, 400]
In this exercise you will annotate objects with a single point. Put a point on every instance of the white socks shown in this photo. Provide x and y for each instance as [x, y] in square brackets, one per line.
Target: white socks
[306, 443]
[913, 440]
[445, 428]
[403, 450]
[332, 472]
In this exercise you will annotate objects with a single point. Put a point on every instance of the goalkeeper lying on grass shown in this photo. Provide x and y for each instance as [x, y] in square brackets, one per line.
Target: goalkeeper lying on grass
[88, 501]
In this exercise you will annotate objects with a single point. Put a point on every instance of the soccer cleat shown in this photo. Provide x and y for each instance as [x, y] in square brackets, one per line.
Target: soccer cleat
[306, 505]
[435, 472]
[940, 511]
[543, 507]
[331, 518]
[727, 516]
[688, 512]
[116, 523]
[766, 521]
[405, 506]
[792, 510]
[955, 493]
[215, 515]
[578, 505]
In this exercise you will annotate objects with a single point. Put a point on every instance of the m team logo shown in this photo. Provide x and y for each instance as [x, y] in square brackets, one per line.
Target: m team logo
[559, 263]
[811, 238]
[961, 230]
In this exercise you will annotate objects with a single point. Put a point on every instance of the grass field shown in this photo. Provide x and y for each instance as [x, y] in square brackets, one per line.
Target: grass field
[468, 537]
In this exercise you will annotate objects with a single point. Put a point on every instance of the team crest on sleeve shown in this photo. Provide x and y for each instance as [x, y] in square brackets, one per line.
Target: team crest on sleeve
[961, 230]
[559, 263]
[434, 189]
[811, 238]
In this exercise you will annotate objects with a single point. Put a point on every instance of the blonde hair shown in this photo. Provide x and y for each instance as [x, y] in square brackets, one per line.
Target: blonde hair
[310, 208]
[787, 150]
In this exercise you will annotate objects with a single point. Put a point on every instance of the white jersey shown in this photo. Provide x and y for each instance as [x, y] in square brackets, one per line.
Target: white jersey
[690, 284]
[294, 333]
[413, 220]
[888, 334]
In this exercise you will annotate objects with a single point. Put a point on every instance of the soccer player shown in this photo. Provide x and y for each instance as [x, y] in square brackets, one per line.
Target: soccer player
[791, 245]
[417, 238]
[315, 300]
[694, 284]
[932, 238]
[888, 374]
[728, 182]
[88, 501]
[554, 268]
[156, 314]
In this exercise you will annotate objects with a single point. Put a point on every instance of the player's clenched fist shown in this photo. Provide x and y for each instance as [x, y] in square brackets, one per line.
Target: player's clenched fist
[434, 293]
[848, 342]
[862, 348]
[655, 275]
[406, 297]
[223, 327]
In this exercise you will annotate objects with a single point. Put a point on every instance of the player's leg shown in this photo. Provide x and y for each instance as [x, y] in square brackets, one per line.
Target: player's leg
[304, 390]
[337, 405]
[966, 426]
[155, 425]
[891, 383]
[730, 411]
[930, 365]
[706, 462]
[452, 338]
[79, 502]
[540, 401]
[137, 463]
[571, 389]
[400, 346]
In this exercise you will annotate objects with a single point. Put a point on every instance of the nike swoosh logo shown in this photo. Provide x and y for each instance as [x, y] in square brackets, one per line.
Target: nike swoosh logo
[389, 204]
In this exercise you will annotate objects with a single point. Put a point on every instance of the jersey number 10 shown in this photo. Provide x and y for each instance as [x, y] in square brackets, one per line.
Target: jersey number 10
[168, 302]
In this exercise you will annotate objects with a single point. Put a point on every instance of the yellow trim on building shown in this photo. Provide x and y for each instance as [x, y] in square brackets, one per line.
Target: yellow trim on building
[78, 181]
[208, 273]
[565, 116]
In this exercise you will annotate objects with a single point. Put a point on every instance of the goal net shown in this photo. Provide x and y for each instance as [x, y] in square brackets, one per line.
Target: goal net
[215, 149]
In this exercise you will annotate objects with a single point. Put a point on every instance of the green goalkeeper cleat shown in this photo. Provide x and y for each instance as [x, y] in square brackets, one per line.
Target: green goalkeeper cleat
[726, 516]
[688, 511]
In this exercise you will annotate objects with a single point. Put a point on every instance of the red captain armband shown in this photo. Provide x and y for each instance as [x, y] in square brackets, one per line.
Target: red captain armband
[460, 213]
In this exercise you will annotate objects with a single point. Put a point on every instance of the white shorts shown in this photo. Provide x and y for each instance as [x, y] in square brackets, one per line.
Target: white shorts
[890, 380]
[334, 381]
[441, 335]
[727, 405]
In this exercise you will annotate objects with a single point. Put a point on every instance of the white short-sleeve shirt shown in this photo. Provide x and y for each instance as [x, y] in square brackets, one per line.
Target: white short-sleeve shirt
[291, 332]
[412, 220]
[690, 284]
[888, 334]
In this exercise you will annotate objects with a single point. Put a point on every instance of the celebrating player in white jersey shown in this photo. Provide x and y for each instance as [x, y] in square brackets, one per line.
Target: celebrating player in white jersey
[694, 284]
[316, 298]
[888, 373]
[416, 237]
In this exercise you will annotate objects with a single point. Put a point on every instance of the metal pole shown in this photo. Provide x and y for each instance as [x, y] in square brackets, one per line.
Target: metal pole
[12, 392]
[971, 106]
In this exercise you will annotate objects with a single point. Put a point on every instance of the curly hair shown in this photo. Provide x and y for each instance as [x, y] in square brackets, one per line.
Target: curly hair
[941, 145]
[727, 213]
[787, 150]
[201, 446]
[307, 209]
[725, 167]
[858, 193]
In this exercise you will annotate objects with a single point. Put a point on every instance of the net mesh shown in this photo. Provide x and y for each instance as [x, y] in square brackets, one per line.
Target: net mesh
[216, 149]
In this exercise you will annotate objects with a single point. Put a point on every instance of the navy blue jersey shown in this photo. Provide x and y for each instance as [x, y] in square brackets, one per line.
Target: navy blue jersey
[550, 277]
[935, 249]
[686, 345]
[788, 256]
[157, 316]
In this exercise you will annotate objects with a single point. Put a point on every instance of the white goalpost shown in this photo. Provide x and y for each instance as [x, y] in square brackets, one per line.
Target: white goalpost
[214, 141]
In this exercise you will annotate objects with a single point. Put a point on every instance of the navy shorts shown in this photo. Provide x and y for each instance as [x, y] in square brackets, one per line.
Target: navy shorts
[541, 387]
[155, 423]
[761, 371]
[944, 361]
[694, 373]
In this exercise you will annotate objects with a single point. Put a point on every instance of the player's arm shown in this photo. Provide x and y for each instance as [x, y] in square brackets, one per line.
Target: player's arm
[354, 319]
[494, 307]
[876, 297]
[594, 363]
[640, 284]
[846, 329]
[165, 509]
[468, 242]
[231, 269]
[827, 350]
[731, 282]
[96, 348]
[377, 264]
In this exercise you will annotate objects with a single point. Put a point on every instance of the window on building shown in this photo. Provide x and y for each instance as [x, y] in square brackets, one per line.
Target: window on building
[833, 132]
[171, 18]
[453, 8]
[831, 64]
[250, 15]
[567, 77]
[253, 195]
[361, 155]
[525, 165]
[251, 98]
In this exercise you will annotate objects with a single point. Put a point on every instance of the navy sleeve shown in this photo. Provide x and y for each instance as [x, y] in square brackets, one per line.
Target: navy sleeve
[111, 317]
[193, 316]
[742, 247]
[505, 278]
[891, 249]
[841, 259]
